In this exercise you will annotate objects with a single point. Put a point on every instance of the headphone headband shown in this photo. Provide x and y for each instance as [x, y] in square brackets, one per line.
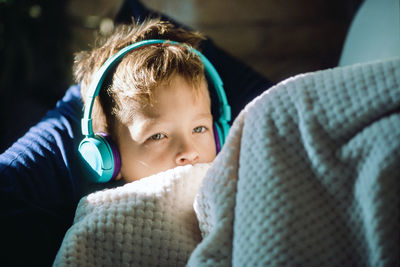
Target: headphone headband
[97, 82]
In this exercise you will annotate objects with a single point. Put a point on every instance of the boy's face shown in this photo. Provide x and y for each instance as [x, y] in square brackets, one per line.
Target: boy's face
[176, 130]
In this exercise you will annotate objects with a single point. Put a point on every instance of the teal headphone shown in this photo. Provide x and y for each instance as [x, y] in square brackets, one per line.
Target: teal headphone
[100, 152]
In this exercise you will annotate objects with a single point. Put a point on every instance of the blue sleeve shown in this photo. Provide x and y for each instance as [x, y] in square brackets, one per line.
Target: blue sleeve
[40, 186]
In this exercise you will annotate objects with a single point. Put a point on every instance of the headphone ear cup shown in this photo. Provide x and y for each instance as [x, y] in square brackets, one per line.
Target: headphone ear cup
[115, 154]
[102, 157]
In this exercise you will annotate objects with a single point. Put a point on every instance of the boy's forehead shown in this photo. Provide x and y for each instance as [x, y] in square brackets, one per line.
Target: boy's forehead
[169, 105]
[178, 93]
[179, 86]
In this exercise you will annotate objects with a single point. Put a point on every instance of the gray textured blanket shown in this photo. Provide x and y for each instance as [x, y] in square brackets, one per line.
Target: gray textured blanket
[310, 175]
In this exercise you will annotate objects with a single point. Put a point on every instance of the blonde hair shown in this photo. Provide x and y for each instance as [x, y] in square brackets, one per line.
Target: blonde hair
[132, 83]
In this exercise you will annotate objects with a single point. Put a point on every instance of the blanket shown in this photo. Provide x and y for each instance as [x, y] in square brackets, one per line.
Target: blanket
[149, 222]
[309, 175]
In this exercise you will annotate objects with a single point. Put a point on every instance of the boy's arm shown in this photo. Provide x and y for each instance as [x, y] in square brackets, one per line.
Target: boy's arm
[39, 188]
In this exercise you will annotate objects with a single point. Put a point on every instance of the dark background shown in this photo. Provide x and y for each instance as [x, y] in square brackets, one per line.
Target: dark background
[279, 39]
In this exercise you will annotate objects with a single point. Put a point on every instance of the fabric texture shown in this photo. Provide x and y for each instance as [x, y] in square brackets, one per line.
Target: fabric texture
[309, 175]
[40, 186]
[149, 222]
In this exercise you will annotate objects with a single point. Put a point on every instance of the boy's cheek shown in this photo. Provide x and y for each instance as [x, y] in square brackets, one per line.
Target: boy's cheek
[144, 163]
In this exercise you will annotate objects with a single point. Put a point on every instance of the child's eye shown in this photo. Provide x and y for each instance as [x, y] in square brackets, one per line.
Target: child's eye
[199, 129]
[157, 136]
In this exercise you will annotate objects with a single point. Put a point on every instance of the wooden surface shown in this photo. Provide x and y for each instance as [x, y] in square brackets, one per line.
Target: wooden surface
[277, 38]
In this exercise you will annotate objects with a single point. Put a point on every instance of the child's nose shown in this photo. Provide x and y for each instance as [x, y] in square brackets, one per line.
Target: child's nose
[187, 155]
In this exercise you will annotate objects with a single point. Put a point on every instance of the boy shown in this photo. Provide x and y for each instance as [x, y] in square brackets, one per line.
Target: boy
[155, 105]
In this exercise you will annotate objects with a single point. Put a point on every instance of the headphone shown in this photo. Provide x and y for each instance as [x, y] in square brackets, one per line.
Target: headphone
[98, 150]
